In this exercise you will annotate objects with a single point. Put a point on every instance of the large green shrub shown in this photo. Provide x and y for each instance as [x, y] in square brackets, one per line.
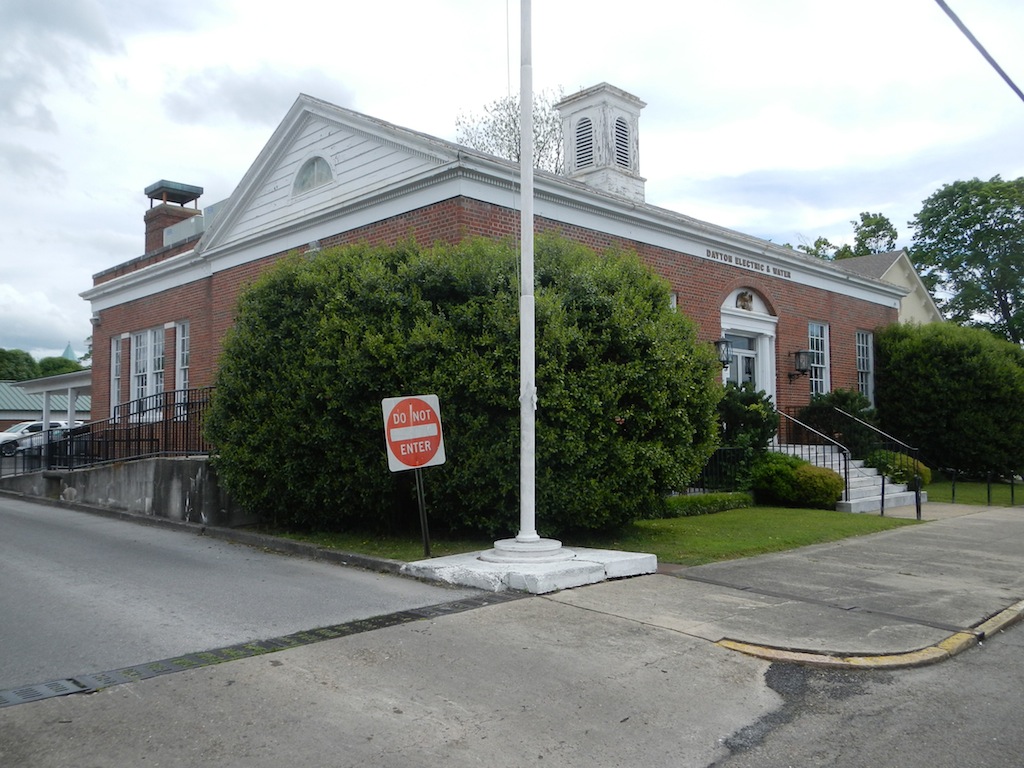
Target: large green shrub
[788, 481]
[955, 393]
[627, 394]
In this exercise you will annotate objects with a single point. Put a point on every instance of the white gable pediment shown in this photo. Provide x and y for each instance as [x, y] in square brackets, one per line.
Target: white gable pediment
[365, 157]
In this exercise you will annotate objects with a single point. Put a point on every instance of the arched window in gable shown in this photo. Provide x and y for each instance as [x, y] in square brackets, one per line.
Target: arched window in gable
[314, 173]
[584, 143]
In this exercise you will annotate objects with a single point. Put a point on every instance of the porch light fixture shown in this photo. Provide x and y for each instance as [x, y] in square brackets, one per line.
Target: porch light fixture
[802, 363]
[723, 348]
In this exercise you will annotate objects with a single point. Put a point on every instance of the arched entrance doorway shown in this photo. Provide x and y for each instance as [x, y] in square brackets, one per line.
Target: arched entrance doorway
[751, 328]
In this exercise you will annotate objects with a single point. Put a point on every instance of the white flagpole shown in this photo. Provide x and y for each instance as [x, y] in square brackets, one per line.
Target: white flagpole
[527, 546]
[527, 311]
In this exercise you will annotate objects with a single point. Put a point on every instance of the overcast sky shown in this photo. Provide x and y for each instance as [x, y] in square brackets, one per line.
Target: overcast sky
[778, 118]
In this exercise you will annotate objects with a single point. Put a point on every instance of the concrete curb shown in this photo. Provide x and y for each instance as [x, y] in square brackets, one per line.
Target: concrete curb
[933, 654]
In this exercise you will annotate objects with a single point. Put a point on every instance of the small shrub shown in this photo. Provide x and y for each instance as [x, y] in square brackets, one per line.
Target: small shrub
[817, 487]
[792, 482]
[747, 416]
[898, 466]
[772, 478]
[705, 504]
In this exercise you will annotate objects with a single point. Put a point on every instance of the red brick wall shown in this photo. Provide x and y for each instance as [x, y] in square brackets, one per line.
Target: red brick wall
[701, 284]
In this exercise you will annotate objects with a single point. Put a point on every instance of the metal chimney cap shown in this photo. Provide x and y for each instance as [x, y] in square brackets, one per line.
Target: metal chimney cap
[173, 192]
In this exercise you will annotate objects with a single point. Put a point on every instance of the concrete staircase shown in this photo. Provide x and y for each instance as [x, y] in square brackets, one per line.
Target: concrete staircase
[865, 494]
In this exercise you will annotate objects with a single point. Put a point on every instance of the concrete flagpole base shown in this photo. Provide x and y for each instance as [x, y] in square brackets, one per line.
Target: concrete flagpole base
[538, 551]
[583, 566]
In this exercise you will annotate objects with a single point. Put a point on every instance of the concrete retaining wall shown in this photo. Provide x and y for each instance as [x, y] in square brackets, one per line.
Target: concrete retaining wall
[178, 489]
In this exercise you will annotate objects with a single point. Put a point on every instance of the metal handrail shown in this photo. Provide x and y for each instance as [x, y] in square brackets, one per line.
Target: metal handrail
[832, 442]
[166, 424]
[873, 428]
[913, 453]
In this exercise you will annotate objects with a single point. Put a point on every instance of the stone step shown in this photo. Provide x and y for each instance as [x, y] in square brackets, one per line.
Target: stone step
[874, 491]
[873, 505]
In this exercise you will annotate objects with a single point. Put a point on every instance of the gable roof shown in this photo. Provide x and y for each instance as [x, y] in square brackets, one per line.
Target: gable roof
[873, 265]
[895, 267]
[381, 171]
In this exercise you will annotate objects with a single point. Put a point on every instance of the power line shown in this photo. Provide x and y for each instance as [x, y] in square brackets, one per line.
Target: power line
[980, 47]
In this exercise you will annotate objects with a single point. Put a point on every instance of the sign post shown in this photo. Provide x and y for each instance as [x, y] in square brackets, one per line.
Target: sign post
[414, 440]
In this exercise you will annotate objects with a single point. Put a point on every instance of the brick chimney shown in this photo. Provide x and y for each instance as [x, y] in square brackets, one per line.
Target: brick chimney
[167, 200]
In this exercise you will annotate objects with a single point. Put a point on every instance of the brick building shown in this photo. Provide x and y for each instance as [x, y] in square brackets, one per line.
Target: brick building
[329, 175]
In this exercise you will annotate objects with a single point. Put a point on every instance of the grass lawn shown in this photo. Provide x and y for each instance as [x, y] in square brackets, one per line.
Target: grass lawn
[682, 540]
[1003, 494]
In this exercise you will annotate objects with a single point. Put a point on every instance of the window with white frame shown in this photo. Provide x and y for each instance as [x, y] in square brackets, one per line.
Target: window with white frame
[182, 356]
[147, 365]
[115, 374]
[817, 342]
[866, 365]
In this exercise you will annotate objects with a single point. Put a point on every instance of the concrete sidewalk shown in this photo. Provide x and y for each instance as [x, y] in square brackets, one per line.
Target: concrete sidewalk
[904, 597]
[602, 675]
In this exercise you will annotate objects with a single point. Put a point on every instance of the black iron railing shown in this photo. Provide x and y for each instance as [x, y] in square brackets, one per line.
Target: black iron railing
[892, 457]
[804, 441]
[165, 424]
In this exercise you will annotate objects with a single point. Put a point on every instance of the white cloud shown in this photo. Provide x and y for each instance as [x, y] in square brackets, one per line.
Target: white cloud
[783, 119]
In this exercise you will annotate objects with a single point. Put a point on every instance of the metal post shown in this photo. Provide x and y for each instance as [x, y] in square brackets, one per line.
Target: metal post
[421, 498]
[917, 495]
[883, 495]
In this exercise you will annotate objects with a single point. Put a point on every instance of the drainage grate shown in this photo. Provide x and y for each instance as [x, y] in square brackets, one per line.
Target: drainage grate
[90, 683]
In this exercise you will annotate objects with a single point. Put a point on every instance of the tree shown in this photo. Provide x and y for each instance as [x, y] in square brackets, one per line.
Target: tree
[969, 249]
[497, 130]
[627, 393]
[874, 233]
[956, 393]
[17, 365]
[51, 366]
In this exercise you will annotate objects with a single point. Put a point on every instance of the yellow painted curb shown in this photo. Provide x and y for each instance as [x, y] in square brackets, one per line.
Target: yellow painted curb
[1002, 620]
[951, 646]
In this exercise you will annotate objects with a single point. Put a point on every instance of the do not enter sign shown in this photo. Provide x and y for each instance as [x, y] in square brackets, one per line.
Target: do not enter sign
[412, 432]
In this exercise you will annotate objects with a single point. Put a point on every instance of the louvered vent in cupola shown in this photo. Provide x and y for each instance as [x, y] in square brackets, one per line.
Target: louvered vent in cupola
[621, 143]
[584, 143]
[600, 140]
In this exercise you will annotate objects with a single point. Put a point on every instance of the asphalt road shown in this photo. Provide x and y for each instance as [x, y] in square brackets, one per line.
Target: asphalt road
[963, 713]
[80, 593]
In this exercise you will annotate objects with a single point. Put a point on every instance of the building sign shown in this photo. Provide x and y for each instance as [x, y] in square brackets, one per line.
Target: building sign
[752, 265]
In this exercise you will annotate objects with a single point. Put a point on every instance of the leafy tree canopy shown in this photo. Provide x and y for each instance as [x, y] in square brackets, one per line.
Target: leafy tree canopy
[51, 366]
[627, 394]
[873, 233]
[969, 249]
[17, 365]
[497, 130]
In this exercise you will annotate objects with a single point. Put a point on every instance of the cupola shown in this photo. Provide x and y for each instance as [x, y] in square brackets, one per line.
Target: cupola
[600, 142]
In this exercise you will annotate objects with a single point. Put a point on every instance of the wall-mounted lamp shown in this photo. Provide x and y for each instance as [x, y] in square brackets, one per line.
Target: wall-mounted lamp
[723, 348]
[802, 363]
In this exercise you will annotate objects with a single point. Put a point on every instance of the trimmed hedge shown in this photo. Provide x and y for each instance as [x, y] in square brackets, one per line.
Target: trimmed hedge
[694, 504]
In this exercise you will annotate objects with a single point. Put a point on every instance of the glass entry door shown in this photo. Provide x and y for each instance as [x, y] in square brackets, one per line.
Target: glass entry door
[743, 365]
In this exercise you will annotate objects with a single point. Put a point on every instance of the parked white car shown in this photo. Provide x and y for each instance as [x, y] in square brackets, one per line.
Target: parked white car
[27, 434]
